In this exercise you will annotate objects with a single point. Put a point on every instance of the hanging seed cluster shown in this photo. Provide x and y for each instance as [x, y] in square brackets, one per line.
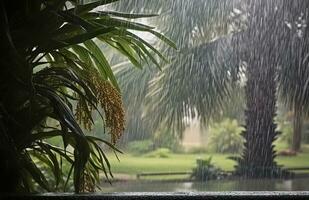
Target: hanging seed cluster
[88, 183]
[111, 102]
[82, 114]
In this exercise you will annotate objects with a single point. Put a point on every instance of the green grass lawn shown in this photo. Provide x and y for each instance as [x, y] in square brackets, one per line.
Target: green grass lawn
[132, 165]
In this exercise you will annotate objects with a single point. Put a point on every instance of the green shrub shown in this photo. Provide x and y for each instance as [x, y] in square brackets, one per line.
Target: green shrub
[286, 129]
[225, 137]
[285, 126]
[197, 150]
[205, 170]
[160, 153]
[164, 138]
[140, 147]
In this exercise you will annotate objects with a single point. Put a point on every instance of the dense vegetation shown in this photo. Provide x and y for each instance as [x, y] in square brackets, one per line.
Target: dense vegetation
[60, 68]
[53, 77]
[181, 162]
[230, 48]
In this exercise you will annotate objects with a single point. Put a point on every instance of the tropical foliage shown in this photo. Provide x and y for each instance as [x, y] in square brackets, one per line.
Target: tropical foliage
[53, 77]
[140, 147]
[160, 153]
[224, 137]
[224, 44]
[190, 28]
[164, 139]
[205, 170]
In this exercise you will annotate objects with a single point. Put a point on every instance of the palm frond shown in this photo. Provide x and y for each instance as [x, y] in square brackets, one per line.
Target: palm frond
[56, 70]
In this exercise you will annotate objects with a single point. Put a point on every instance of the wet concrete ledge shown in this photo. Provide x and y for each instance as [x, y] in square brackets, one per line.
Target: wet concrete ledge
[164, 196]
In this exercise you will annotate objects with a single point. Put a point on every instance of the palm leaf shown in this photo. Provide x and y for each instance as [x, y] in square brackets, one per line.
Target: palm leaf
[53, 76]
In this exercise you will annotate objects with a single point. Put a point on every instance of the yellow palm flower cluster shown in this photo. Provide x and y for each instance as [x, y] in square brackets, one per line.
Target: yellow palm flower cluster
[82, 114]
[111, 102]
[88, 184]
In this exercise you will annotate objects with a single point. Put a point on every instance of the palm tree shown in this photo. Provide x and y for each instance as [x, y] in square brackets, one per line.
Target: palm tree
[262, 59]
[202, 77]
[294, 73]
[52, 77]
[190, 28]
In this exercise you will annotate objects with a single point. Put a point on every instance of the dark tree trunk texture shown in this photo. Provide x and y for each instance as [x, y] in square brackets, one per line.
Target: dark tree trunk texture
[297, 128]
[257, 160]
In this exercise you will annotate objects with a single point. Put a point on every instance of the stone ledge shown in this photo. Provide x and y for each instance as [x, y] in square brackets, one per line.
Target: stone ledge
[164, 196]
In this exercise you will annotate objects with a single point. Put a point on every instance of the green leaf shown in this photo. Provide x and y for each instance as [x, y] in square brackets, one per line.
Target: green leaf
[83, 54]
[68, 177]
[45, 135]
[86, 36]
[128, 15]
[105, 142]
[140, 46]
[113, 22]
[81, 151]
[164, 39]
[137, 38]
[102, 157]
[119, 47]
[56, 169]
[81, 9]
[129, 52]
[35, 172]
[76, 20]
[54, 44]
[61, 152]
[103, 65]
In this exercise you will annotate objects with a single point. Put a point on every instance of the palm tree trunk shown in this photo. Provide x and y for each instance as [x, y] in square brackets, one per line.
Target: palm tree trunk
[297, 128]
[258, 156]
[257, 160]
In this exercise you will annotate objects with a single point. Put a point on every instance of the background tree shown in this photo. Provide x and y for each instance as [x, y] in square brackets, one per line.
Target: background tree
[294, 73]
[170, 80]
[222, 43]
[189, 27]
[262, 60]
